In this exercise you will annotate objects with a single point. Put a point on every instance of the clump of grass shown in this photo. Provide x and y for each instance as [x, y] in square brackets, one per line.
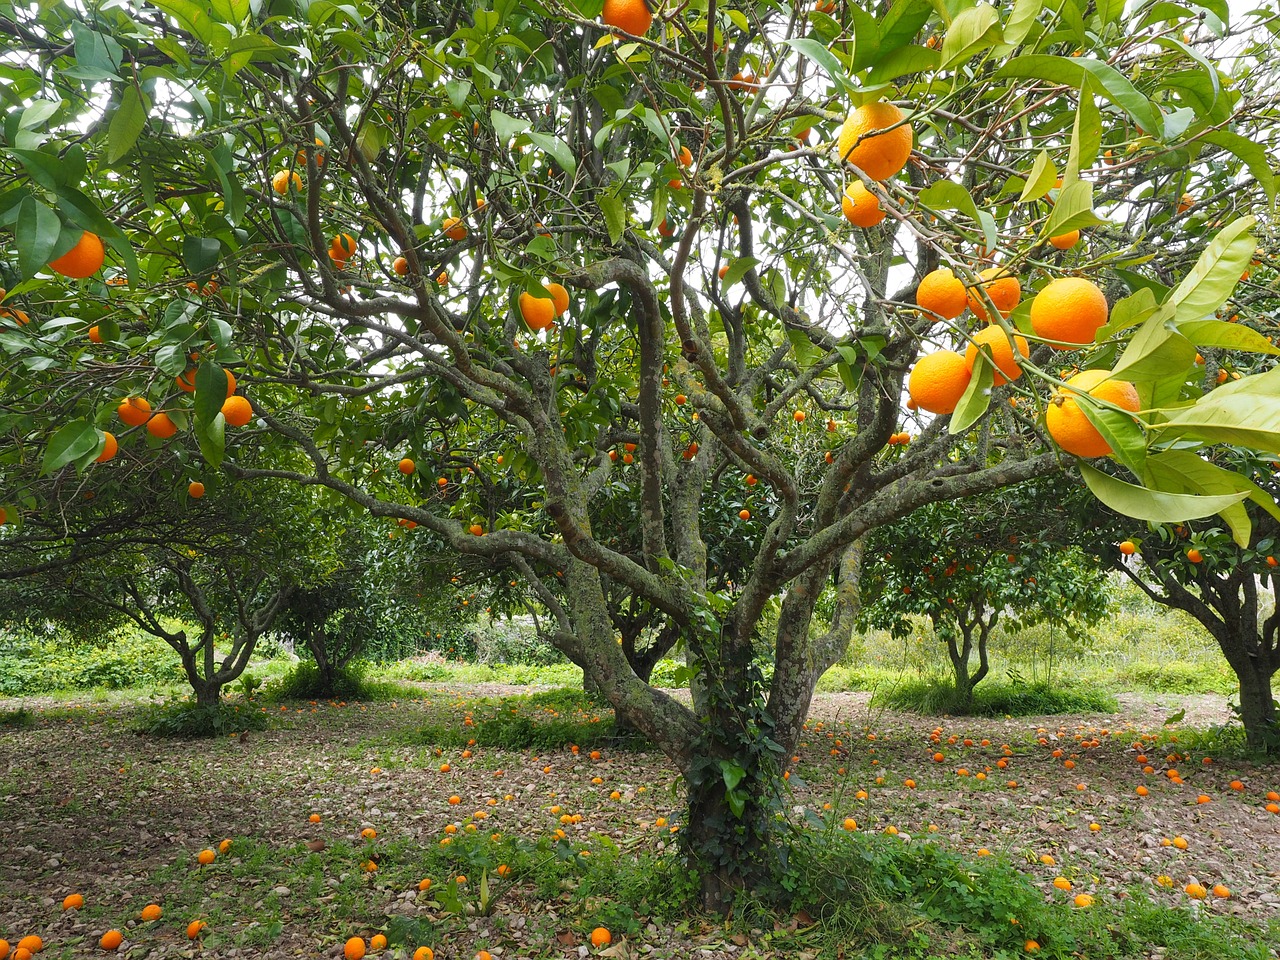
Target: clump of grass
[994, 699]
[355, 681]
[20, 719]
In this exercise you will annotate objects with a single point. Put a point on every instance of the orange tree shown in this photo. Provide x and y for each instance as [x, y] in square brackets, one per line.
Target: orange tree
[965, 565]
[405, 228]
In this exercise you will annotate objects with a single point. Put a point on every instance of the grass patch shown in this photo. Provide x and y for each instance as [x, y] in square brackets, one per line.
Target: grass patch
[20, 719]
[547, 720]
[355, 682]
[437, 670]
[994, 699]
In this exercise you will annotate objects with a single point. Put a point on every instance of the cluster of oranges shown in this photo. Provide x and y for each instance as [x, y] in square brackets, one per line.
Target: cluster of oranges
[541, 313]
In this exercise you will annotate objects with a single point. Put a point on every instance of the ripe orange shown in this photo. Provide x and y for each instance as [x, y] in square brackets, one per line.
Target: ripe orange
[1062, 883]
[151, 912]
[1083, 900]
[284, 179]
[633, 16]
[424, 953]
[997, 342]
[798, 416]
[400, 266]
[943, 293]
[32, 943]
[237, 411]
[134, 411]
[1067, 424]
[82, 260]
[406, 466]
[601, 937]
[186, 381]
[1194, 555]
[377, 942]
[194, 928]
[850, 824]
[1195, 891]
[354, 948]
[1127, 547]
[161, 426]
[342, 247]
[476, 530]
[539, 313]
[109, 447]
[95, 334]
[938, 381]
[860, 206]
[559, 296]
[206, 857]
[454, 229]
[1221, 891]
[1068, 312]
[195, 489]
[1065, 241]
[1002, 287]
[878, 155]
[111, 940]
[1186, 202]
[744, 514]
[73, 901]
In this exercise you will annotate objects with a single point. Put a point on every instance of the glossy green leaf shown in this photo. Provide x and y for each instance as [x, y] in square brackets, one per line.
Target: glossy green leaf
[1184, 471]
[1041, 178]
[1128, 312]
[1156, 351]
[949, 195]
[737, 270]
[1073, 210]
[1070, 71]
[73, 441]
[1255, 156]
[1227, 336]
[1154, 506]
[1119, 429]
[815, 51]
[972, 31]
[903, 61]
[615, 216]
[36, 235]
[200, 254]
[1206, 287]
[126, 125]
[506, 127]
[211, 435]
[211, 391]
[977, 396]
[557, 148]
[1086, 135]
[1244, 412]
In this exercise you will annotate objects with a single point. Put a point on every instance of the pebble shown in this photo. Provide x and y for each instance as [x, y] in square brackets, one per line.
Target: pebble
[281, 891]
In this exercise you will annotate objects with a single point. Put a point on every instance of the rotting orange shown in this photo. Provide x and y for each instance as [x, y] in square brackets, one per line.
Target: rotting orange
[633, 16]
[1066, 422]
[378, 942]
[1068, 312]
[151, 912]
[997, 342]
[424, 953]
[1001, 286]
[195, 928]
[206, 857]
[938, 381]
[860, 206]
[83, 260]
[73, 901]
[878, 155]
[943, 293]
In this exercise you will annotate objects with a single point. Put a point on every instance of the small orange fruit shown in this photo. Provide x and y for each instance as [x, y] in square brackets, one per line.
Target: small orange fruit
[32, 943]
[538, 312]
[1067, 424]
[237, 411]
[195, 489]
[1195, 891]
[1083, 900]
[354, 948]
[151, 912]
[195, 928]
[73, 901]
[633, 16]
[110, 447]
[284, 179]
[860, 206]
[206, 857]
[400, 266]
[83, 260]
[186, 380]
[878, 155]
[1062, 883]
[161, 426]
[850, 823]
[943, 293]
[406, 466]
[1002, 353]
[454, 229]
[111, 940]
[95, 334]
[1068, 312]
[601, 937]
[798, 416]
[938, 381]
[1065, 241]
[1221, 891]
[424, 953]
[559, 296]
[1194, 555]
[134, 411]
[378, 942]
[1002, 287]
[1127, 547]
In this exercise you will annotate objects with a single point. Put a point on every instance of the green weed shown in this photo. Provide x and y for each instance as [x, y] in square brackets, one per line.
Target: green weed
[994, 699]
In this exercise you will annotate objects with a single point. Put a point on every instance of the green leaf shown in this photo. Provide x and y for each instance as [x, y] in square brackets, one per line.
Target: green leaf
[171, 359]
[126, 124]
[73, 441]
[211, 391]
[211, 435]
[1255, 156]
[1041, 178]
[200, 254]
[1244, 412]
[36, 235]
[230, 11]
[973, 30]
[1227, 336]
[1021, 20]
[84, 212]
[1070, 71]
[1073, 210]
[977, 396]
[1155, 352]
[615, 216]
[949, 195]
[558, 149]
[1153, 506]
[737, 270]
[1086, 135]
[1128, 312]
[903, 61]
[1206, 287]
[732, 773]
[813, 50]
[901, 24]
[194, 18]
[505, 127]
[1184, 471]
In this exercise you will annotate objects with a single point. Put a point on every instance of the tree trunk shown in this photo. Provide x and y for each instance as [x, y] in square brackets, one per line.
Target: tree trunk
[1257, 706]
[208, 692]
[960, 667]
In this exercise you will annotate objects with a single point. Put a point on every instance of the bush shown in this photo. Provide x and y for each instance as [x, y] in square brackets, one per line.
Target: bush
[1014, 698]
[1178, 676]
[127, 657]
[185, 720]
[352, 682]
[512, 641]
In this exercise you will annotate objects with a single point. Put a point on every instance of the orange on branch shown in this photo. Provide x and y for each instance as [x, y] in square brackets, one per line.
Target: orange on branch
[1001, 286]
[938, 381]
[1068, 312]
[237, 411]
[538, 313]
[1002, 353]
[1066, 422]
[860, 206]
[559, 296]
[83, 260]
[633, 16]
[943, 293]
[195, 489]
[161, 426]
[878, 155]
[110, 447]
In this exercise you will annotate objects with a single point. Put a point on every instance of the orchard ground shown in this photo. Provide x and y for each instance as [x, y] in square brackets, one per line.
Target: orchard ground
[121, 819]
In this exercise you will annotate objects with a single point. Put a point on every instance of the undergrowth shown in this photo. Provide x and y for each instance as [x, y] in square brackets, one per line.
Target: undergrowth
[993, 698]
[186, 720]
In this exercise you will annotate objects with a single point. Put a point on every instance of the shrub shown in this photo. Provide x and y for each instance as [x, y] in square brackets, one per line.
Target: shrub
[20, 719]
[125, 658]
[185, 720]
[1015, 698]
[513, 641]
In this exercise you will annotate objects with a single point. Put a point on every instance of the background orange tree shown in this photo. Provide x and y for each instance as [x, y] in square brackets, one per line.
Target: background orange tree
[355, 208]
